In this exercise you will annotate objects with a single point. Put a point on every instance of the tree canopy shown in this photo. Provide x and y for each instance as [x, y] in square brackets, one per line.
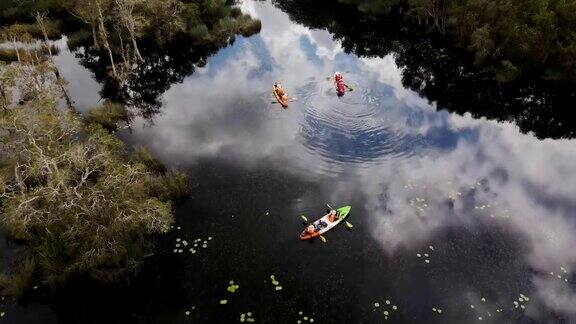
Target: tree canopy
[511, 38]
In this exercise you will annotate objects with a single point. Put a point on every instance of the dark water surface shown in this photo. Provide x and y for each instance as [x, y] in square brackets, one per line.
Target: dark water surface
[456, 219]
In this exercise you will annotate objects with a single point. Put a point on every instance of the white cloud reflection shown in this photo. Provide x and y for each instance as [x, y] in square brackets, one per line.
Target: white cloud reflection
[528, 184]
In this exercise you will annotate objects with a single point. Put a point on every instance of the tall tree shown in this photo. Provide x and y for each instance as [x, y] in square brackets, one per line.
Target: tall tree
[133, 22]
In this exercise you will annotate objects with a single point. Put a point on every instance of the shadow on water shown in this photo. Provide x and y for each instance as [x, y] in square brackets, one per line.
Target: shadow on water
[444, 75]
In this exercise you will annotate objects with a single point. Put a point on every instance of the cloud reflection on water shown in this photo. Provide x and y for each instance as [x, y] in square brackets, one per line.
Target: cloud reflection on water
[391, 142]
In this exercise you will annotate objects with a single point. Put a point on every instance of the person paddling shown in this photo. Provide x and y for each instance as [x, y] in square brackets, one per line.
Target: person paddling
[340, 84]
[310, 229]
[333, 216]
[280, 91]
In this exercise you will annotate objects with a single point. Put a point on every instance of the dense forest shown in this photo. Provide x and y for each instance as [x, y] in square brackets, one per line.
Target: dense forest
[75, 202]
[511, 38]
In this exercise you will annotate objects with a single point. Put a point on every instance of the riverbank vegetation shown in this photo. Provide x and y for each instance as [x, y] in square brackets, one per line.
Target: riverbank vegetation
[74, 200]
[116, 27]
[511, 38]
[136, 49]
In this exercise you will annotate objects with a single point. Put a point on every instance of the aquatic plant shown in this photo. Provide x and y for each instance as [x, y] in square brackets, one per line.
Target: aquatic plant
[276, 283]
[108, 115]
[304, 318]
[232, 287]
[144, 156]
[247, 317]
[387, 309]
[170, 186]
[20, 278]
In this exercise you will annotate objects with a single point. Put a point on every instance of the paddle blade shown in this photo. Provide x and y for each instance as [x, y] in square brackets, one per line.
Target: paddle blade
[304, 218]
[323, 239]
[349, 225]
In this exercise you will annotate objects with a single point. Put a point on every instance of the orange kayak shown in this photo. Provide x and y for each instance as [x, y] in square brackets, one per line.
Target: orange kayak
[283, 101]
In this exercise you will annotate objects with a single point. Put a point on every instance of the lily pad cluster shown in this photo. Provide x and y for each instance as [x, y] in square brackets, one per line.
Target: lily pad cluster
[247, 317]
[413, 186]
[437, 310]
[275, 282]
[419, 203]
[453, 194]
[232, 286]
[481, 314]
[199, 243]
[303, 318]
[180, 245]
[426, 255]
[189, 311]
[387, 308]
[521, 302]
[561, 275]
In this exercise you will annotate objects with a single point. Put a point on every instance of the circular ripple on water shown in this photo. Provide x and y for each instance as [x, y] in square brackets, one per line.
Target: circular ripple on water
[354, 128]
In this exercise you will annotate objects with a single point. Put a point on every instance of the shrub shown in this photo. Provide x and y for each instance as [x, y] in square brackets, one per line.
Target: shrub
[108, 115]
[143, 156]
[171, 186]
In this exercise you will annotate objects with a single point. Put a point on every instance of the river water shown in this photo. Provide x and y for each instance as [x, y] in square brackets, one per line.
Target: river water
[455, 219]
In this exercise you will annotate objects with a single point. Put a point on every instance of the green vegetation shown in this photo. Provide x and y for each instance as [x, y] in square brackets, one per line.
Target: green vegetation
[108, 115]
[72, 197]
[116, 27]
[511, 38]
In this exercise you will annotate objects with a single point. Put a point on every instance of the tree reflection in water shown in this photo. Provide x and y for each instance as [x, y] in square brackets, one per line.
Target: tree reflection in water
[440, 72]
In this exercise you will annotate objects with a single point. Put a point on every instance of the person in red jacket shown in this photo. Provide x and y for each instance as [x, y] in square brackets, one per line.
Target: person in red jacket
[339, 83]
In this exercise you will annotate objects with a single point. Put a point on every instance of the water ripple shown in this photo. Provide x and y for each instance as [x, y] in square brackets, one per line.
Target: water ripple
[354, 128]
